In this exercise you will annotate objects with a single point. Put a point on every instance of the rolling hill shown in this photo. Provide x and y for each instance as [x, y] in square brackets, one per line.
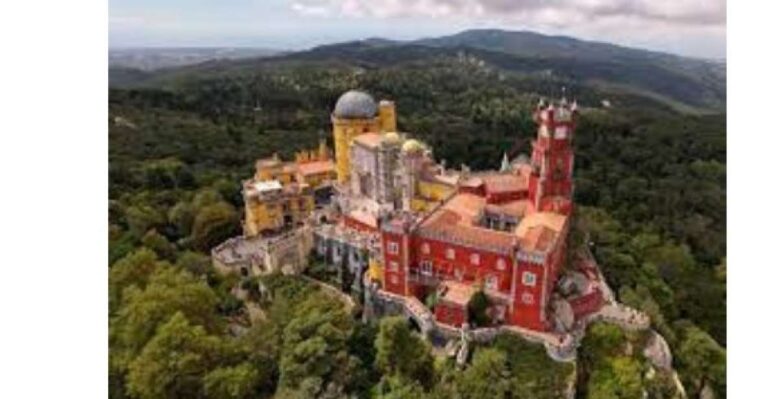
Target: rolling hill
[685, 84]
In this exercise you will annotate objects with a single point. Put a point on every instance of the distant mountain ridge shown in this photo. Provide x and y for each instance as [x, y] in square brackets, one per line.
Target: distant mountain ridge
[153, 58]
[685, 83]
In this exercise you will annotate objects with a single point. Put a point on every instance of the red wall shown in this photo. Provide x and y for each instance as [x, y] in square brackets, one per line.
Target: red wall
[445, 268]
[506, 196]
[524, 314]
[450, 314]
[394, 281]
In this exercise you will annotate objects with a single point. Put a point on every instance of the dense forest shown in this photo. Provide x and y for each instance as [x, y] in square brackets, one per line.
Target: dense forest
[650, 189]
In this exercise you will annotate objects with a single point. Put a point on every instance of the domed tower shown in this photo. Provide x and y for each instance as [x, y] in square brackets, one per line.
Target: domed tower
[357, 113]
[550, 187]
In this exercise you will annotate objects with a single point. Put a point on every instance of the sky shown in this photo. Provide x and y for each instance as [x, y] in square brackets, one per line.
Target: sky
[688, 27]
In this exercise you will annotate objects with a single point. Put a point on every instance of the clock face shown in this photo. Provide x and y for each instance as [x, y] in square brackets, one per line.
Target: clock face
[561, 132]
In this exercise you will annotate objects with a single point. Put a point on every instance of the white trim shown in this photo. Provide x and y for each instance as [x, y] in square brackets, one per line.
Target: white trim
[495, 282]
[393, 248]
[426, 267]
[529, 276]
[474, 259]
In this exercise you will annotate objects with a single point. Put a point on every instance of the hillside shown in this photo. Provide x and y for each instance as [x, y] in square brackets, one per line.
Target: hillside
[153, 58]
[650, 188]
[686, 84]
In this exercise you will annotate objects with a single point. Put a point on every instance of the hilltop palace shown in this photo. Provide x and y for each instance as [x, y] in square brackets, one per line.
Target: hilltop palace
[408, 236]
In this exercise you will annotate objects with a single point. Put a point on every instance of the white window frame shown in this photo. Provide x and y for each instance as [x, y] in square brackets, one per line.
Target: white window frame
[450, 253]
[474, 259]
[527, 298]
[425, 248]
[529, 279]
[487, 283]
[426, 267]
[458, 273]
[393, 266]
[393, 248]
[501, 264]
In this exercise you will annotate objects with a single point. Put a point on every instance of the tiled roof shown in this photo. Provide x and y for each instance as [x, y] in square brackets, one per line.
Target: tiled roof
[315, 167]
[538, 238]
[539, 231]
[514, 208]
[457, 293]
[553, 221]
[370, 140]
[455, 221]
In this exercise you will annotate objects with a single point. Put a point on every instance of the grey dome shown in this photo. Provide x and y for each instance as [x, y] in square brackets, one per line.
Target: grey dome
[355, 104]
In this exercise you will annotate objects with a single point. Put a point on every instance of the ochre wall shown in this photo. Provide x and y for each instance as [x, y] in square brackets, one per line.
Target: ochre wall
[344, 131]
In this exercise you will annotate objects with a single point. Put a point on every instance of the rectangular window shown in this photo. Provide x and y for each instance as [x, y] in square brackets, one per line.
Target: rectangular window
[458, 273]
[450, 253]
[474, 259]
[393, 279]
[392, 247]
[529, 279]
[491, 283]
[501, 264]
[527, 298]
[393, 266]
[426, 267]
[425, 248]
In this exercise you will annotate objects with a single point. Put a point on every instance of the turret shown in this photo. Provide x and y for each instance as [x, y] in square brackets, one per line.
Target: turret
[551, 185]
[387, 116]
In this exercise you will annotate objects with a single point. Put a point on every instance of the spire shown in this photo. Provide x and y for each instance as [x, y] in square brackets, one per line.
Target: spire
[563, 101]
[505, 165]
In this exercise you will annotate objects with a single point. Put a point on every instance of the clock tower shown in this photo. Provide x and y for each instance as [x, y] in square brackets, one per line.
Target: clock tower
[551, 182]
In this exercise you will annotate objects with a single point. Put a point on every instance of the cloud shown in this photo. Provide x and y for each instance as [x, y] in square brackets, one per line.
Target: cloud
[533, 12]
[310, 9]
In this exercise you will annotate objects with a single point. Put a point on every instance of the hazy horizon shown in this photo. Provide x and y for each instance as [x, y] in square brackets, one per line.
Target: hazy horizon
[698, 28]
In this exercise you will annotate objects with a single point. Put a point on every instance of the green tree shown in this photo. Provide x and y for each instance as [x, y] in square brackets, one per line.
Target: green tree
[530, 369]
[478, 309]
[236, 382]
[141, 218]
[169, 291]
[194, 262]
[315, 357]
[402, 353]
[487, 377]
[395, 387]
[182, 216]
[214, 224]
[133, 270]
[701, 360]
[618, 378]
[174, 361]
[159, 244]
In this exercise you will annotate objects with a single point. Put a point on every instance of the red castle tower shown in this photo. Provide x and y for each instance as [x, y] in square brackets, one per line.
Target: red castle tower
[551, 182]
